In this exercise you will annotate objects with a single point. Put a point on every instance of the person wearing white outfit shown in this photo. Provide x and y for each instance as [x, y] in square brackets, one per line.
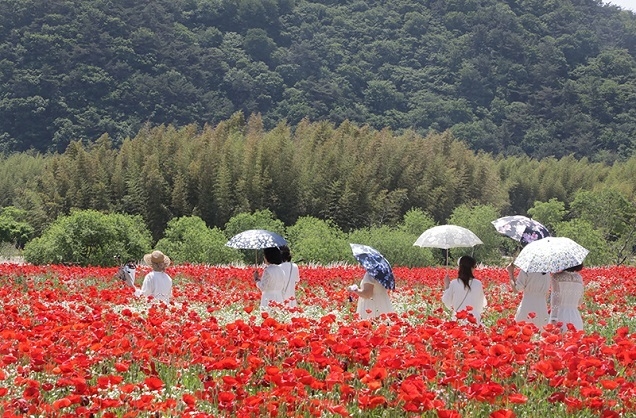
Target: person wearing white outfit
[566, 296]
[465, 291]
[272, 281]
[157, 284]
[292, 276]
[534, 303]
[373, 298]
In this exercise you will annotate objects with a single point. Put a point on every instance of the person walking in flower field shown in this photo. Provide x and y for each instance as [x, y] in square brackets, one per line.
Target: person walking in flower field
[373, 292]
[157, 284]
[272, 281]
[565, 298]
[373, 298]
[535, 287]
[465, 291]
[292, 275]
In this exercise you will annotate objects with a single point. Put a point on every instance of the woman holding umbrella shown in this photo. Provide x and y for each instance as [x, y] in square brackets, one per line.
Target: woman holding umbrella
[535, 287]
[373, 295]
[563, 258]
[272, 281]
[373, 298]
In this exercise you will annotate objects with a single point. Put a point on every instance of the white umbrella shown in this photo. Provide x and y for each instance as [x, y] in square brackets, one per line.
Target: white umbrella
[447, 236]
[256, 239]
[550, 255]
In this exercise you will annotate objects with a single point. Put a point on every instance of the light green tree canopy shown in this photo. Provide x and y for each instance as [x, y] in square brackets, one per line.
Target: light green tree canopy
[90, 238]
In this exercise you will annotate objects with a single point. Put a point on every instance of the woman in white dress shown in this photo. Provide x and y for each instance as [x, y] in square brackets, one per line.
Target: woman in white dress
[534, 303]
[157, 284]
[566, 296]
[272, 281]
[373, 298]
[465, 291]
[292, 277]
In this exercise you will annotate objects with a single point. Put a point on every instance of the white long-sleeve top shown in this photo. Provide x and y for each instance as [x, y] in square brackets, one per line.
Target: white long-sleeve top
[292, 277]
[271, 284]
[158, 285]
[566, 296]
[535, 288]
[457, 298]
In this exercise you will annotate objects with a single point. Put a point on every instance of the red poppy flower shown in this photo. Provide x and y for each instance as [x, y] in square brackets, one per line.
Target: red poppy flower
[153, 383]
[503, 413]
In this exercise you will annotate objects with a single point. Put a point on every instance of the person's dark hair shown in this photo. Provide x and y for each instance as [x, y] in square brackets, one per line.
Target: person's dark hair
[575, 268]
[465, 271]
[285, 253]
[272, 255]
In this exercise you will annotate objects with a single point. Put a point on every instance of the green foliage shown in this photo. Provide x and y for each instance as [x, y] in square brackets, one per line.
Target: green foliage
[478, 219]
[239, 176]
[506, 77]
[14, 227]
[88, 237]
[584, 233]
[314, 240]
[416, 221]
[613, 216]
[260, 219]
[189, 240]
[16, 171]
[607, 210]
[549, 213]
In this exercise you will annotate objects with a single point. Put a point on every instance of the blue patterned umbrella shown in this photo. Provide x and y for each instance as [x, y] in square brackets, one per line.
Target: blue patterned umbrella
[521, 228]
[256, 239]
[375, 264]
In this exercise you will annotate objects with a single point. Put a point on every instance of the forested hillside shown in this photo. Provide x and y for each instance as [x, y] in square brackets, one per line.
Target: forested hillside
[515, 77]
[355, 177]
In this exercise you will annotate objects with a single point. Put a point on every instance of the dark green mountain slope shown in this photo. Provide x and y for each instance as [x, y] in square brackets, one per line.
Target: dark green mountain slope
[528, 77]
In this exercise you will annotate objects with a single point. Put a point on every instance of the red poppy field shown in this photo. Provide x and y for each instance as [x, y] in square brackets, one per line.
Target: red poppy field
[75, 342]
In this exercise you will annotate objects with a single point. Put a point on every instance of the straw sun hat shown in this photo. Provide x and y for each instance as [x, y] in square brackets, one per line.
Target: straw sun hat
[157, 259]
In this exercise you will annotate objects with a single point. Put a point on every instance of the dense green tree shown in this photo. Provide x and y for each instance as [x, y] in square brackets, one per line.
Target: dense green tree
[548, 213]
[258, 45]
[14, 226]
[521, 77]
[416, 221]
[313, 240]
[612, 216]
[260, 219]
[189, 240]
[583, 233]
[88, 237]
[478, 219]
[16, 172]
[156, 210]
